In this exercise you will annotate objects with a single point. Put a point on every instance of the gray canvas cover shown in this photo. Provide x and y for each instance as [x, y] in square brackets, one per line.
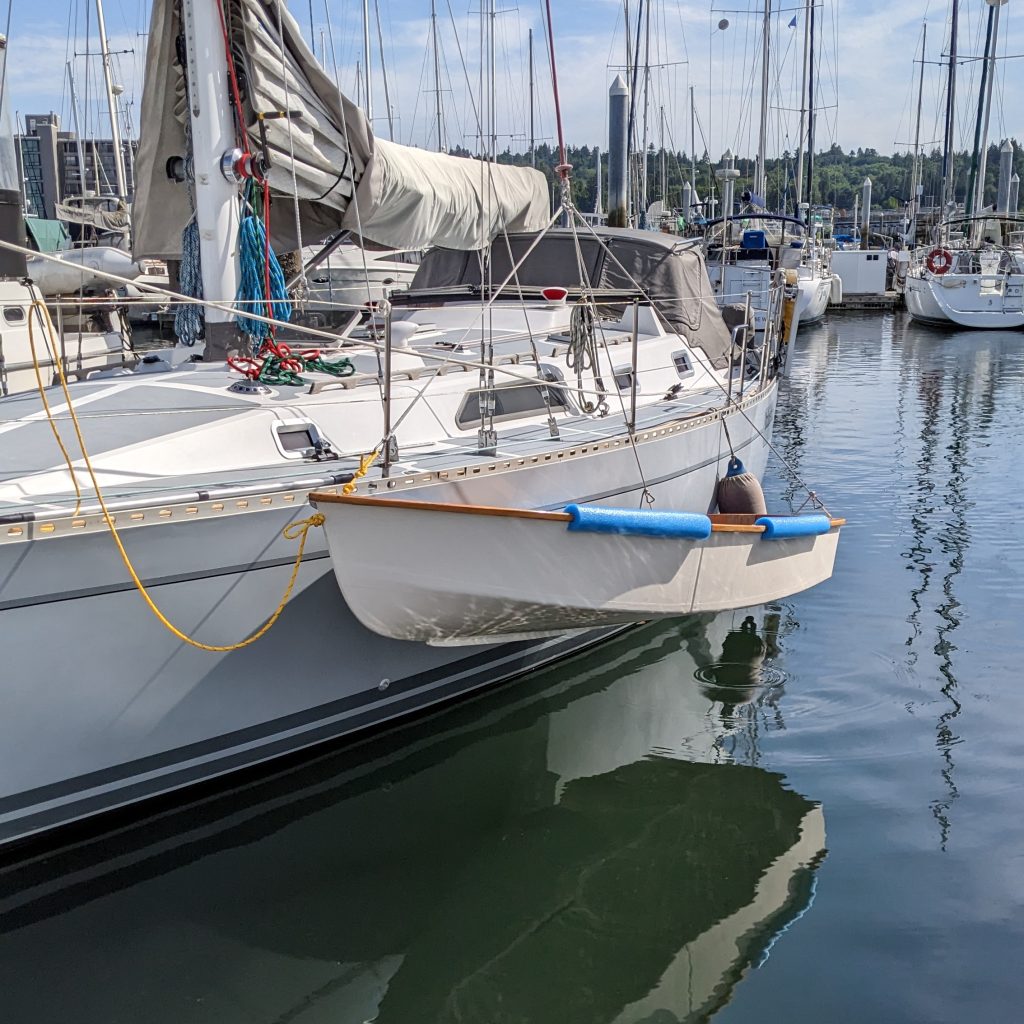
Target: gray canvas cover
[670, 270]
[406, 198]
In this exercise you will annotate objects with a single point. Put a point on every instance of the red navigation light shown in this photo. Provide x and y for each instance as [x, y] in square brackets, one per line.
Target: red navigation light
[555, 294]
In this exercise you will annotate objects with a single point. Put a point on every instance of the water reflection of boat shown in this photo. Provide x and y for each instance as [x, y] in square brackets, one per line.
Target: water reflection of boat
[529, 861]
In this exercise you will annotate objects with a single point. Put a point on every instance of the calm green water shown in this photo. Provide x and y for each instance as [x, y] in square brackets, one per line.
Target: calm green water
[810, 814]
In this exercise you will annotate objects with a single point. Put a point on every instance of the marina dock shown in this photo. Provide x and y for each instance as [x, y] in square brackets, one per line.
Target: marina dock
[887, 302]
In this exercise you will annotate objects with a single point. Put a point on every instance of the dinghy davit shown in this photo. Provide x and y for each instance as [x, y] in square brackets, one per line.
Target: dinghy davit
[452, 574]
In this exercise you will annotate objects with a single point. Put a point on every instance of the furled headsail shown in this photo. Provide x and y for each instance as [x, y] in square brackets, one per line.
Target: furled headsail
[325, 154]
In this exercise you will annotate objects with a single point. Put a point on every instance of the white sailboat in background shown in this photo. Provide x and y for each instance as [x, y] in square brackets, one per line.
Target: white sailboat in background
[748, 244]
[90, 335]
[166, 509]
[352, 276]
[973, 275]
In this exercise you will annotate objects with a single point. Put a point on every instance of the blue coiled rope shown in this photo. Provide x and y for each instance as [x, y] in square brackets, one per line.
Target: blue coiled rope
[188, 319]
[251, 291]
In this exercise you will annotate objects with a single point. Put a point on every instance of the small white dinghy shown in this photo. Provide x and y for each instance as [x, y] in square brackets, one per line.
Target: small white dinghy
[67, 272]
[460, 574]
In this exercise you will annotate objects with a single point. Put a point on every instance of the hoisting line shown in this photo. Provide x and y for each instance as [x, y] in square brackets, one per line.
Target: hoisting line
[298, 530]
[563, 168]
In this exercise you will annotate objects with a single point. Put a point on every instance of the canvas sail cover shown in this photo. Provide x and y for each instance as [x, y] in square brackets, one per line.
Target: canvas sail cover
[325, 155]
[670, 270]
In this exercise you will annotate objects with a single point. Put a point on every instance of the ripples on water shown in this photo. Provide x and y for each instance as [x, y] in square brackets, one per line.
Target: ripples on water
[639, 836]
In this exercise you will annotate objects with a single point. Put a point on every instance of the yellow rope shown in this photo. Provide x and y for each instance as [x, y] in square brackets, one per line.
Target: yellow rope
[297, 530]
[364, 467]
[46, 405]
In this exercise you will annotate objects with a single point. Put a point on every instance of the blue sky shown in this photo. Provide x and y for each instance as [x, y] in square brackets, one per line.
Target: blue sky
[867, 82]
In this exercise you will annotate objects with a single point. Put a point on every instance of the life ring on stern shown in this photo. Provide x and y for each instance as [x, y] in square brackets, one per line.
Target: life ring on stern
[939, 261]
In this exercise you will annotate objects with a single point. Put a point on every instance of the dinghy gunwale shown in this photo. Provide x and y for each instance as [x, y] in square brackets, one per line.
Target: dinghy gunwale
[720, 522]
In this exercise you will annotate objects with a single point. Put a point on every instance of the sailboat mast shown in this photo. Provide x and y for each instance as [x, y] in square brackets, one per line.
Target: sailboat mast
[437, 78]
[693, 143]
[533, 141]
[645, 198]
[760, 180]
[384, 73]
[627, 28]
[78, 130]
[629, 51]
[367, 66]
[108, 84]
[633, 89]
[947, 149]
[991, 65]
[915, 177]
[664, 161]
[803, 109]
[216, 198]
[487, 439]
[972, 189]
[492, 69]
[810, 110]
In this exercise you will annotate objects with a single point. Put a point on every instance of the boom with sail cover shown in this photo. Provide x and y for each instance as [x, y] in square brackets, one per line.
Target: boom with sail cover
[324, 154]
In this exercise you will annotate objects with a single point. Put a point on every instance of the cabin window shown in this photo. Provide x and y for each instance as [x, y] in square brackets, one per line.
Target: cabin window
[624, 378]
[511, 401]
[683, 365]
[299, 439]
[14, 314]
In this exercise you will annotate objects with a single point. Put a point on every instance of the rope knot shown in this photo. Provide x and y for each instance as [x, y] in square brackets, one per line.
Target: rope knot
[299, 529]
[364, 467]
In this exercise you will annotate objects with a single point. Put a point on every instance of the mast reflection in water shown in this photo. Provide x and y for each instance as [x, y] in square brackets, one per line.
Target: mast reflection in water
[578, 847]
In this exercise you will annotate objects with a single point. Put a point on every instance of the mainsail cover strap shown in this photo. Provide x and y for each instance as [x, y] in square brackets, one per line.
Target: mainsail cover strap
[407, 198]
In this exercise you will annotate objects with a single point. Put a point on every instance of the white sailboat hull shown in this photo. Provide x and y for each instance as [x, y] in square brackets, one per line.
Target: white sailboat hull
[967, 300]
[813, 293]
[93, 725]
[921, 304]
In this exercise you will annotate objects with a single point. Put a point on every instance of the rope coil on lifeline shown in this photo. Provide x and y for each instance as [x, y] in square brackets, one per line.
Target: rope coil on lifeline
[298, 530]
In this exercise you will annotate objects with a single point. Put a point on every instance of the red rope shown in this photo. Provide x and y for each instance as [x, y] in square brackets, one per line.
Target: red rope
[266, 255]
[563, 167]
[240, 131]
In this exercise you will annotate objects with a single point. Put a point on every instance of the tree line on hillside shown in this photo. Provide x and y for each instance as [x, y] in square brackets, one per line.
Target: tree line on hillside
[838, 175]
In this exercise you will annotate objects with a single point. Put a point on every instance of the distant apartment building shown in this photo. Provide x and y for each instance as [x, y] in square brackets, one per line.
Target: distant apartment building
[50, 167]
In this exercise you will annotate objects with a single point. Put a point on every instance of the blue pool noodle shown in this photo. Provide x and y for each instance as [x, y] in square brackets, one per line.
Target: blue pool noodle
[639, 522]
[784, 527]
